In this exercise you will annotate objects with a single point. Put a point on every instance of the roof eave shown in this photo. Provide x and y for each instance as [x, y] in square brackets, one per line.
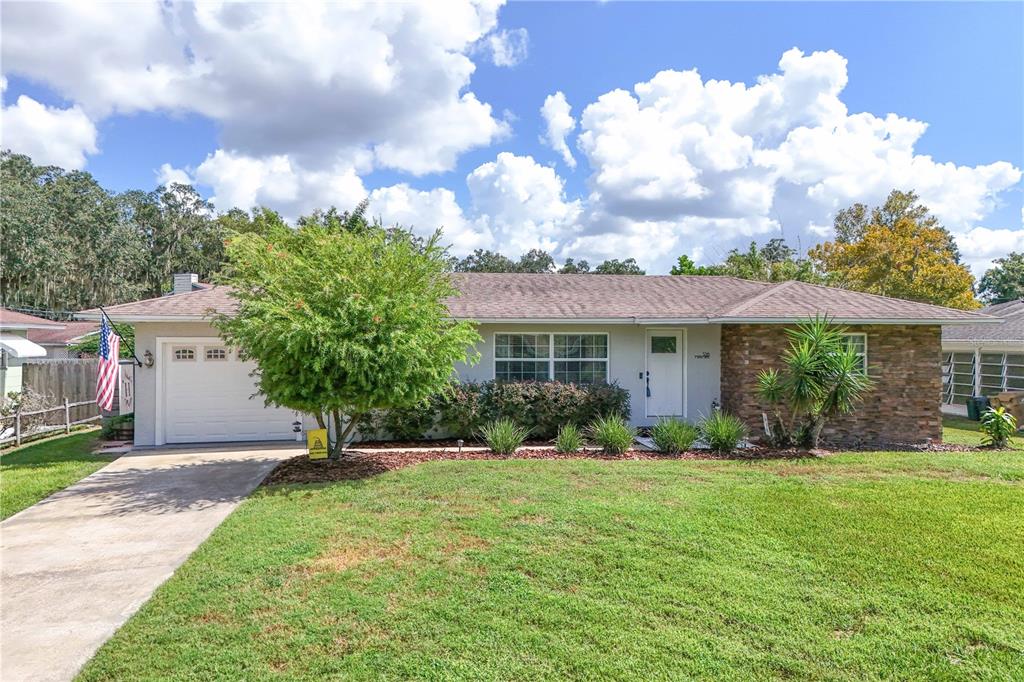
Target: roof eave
[143, 318]
[945, 322]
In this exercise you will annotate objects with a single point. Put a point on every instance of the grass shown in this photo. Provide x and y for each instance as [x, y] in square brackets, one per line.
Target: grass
[856, 566]
[33, 472]
[964, 431]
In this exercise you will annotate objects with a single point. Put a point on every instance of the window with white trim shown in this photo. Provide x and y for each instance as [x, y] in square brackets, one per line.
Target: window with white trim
[184, 354]
[859, 344]
[216, 354]
[570, 358]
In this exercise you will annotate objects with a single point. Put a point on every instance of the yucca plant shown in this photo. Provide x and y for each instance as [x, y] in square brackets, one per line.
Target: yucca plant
[612, 433]
[822, 377]
[723, 432]
[998, 426]
[673, 436]
[503, 436]
[569, 439]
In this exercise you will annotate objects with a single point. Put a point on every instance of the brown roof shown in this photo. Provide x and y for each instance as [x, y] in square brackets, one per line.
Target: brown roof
[1011, 331]
[610, 298]
[62, 337]
[11, 319]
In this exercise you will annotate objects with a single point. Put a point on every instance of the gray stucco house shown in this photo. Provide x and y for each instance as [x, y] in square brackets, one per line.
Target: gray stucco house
[983, 359]
[680, 345]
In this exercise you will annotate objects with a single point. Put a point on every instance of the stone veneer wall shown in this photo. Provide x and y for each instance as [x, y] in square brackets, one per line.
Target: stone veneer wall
[904, 360]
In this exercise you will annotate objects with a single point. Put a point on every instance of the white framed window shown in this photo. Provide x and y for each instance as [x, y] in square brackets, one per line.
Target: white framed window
[958, 372]
[570, 358]
[184, 354]
[215, 354]
[859, 344]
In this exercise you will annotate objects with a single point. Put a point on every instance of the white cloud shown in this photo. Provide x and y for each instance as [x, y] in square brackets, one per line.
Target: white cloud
[425, 211]
[507, 47]
[981, 245]
[522, 203]
[722, 162]
[316, 82]
[169, 175]
[50, 135]
[559, 123]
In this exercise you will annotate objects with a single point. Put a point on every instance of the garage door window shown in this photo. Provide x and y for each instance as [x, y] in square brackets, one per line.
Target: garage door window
[216, 354]
[184, 354]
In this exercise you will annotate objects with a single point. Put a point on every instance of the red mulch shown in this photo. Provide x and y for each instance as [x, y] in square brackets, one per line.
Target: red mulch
[364, 464]
[427, 443]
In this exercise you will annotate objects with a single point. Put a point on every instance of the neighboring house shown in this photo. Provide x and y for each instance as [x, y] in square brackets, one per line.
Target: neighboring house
[983, 359]
[59, 342]
[680, 345]
[15, 346]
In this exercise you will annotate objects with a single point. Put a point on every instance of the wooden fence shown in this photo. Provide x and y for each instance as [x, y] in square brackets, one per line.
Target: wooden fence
[73, 380]
[37, 422]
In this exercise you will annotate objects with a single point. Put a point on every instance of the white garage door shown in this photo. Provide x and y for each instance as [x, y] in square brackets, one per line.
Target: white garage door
[207, 393]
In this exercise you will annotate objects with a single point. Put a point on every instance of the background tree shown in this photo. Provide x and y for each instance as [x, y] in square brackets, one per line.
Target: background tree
[902, 252]
[617, 267]
[776, 261]
[536, 261]
[341, 322]
[571, 267]
[1005, 281]
[483, 260]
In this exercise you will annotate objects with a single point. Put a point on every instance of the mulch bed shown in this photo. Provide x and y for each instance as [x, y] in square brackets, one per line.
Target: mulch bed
[366, 463]
[427, 443]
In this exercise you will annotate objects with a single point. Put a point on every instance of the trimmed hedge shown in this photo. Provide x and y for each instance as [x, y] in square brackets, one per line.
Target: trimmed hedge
[462, 409]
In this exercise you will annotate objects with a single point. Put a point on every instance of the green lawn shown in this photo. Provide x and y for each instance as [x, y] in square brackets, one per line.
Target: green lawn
[963, 431]
[856, 566]
[33, 472]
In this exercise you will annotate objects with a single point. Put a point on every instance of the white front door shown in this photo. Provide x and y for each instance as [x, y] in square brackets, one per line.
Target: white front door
[664, 380]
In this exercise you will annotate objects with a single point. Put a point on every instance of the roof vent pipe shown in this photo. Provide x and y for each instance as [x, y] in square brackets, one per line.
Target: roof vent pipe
[184, 281]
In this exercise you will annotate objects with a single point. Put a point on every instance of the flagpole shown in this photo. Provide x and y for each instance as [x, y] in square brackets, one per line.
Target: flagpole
[123, 340]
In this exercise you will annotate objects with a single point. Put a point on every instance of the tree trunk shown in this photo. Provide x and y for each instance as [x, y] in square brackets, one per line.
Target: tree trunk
[816, 426]
[341, 434]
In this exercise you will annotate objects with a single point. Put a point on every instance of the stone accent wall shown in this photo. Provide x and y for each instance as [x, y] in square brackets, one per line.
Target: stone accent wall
[904, 360]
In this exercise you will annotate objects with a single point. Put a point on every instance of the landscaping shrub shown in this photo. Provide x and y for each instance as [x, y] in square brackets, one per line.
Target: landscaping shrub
[569, 439]
[998, 426]
[541, 406]
[722, 431]
[673, 436]
[612, 433]
[460, 410]
[503, 436]
[409, 423]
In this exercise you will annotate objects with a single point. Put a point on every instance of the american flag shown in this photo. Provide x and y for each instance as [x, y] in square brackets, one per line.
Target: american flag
[109, 370]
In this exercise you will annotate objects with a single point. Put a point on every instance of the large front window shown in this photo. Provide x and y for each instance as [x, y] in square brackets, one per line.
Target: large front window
[575, 358]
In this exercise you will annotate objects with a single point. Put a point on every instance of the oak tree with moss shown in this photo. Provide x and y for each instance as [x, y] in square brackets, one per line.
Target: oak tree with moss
[341, 322]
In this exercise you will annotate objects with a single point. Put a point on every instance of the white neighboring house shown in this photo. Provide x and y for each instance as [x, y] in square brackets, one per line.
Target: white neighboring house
[15, 346]
[983, 359]
[679, 345]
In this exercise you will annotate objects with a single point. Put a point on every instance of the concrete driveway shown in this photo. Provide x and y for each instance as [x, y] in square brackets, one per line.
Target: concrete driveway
[76, 566]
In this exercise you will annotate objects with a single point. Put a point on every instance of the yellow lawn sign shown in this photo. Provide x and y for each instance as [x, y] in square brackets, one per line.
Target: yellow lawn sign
[316, 443]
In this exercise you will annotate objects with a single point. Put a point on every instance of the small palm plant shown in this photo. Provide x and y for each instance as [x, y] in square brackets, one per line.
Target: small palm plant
[997, 425]
[822, 377]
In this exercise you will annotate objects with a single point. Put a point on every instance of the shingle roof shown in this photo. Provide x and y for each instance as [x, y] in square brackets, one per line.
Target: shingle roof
[504, 296]
[70, 332]
[1012, 330]
[10, 319]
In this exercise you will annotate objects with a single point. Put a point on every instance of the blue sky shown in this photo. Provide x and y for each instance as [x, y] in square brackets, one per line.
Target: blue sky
[959, 68]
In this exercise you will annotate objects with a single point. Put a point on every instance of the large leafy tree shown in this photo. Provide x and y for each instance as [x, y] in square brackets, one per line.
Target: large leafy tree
[483, 260]
[615, 266]
[899, 250]
[1004, 281]
[341, 322]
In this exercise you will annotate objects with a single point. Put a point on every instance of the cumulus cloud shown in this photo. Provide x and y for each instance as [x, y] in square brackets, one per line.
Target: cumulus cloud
[50, 135]
[280, 78]
[169, 175]
[559, 123]
[425, 211]
[981, 245]
[507, 47]
[522, 203]
[721, 162]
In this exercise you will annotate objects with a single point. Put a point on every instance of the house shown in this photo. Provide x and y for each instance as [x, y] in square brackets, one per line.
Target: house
[15, 345]
[983, 359]
[59, 343]
[680, 345]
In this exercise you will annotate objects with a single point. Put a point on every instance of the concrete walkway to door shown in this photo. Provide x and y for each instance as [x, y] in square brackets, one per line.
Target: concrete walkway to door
[76, 566]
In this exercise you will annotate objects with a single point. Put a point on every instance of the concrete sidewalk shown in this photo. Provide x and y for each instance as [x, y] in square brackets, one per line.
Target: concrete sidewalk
[76, 566]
